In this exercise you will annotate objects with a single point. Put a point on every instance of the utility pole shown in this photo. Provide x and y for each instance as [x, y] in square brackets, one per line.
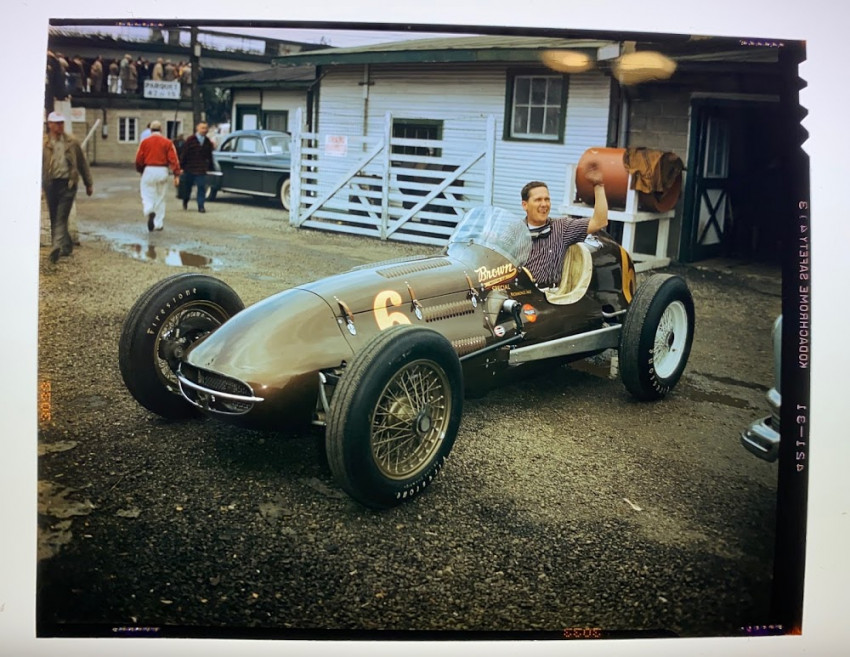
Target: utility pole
[195, 61]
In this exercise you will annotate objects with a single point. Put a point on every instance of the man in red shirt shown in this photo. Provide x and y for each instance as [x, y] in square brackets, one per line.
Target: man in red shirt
[156, 155]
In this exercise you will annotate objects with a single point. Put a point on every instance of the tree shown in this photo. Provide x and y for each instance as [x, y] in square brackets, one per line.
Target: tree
[216, 104]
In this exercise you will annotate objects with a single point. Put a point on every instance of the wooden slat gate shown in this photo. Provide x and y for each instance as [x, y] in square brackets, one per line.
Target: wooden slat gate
[356, 184]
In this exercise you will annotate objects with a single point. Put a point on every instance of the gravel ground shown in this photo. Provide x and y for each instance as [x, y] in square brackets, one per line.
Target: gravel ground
[564, 504]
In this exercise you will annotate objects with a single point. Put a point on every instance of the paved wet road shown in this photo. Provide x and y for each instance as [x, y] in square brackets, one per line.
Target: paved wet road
[565, 504]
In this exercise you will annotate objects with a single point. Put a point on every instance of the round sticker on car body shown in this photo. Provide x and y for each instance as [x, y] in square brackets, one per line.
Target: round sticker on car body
[529, 312]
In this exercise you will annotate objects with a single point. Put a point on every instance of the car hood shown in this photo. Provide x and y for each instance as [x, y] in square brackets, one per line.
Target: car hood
[283, 336]
[406, 282]
[320, 324]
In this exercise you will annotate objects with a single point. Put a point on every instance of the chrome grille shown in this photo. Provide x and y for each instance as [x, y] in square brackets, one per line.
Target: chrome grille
[215, 392]
[217, 382]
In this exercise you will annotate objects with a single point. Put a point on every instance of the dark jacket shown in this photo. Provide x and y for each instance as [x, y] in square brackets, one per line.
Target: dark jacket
[196, 158]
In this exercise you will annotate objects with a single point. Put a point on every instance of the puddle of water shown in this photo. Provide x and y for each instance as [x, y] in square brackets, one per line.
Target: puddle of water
[168, 255]
[53, 502]
[62, 446]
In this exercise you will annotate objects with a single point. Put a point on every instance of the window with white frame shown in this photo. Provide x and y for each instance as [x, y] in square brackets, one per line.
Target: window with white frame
[537, 106]
[128, 129]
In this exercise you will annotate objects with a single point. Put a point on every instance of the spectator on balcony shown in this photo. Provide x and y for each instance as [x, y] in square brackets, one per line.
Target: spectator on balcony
[186, 80]
[54, 82]
[96, 76]
[114, 76]
[129, 75]
[158, 71]
[75, 76]
[63, 62]
[143, 67]
[170, 71]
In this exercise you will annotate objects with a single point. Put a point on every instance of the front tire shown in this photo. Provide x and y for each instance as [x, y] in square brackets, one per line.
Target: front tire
[394, 416]
[657, 337]
[284, 195]
[161, 325]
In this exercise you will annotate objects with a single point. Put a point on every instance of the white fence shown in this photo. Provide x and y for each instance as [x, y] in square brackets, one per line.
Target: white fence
[367, 186]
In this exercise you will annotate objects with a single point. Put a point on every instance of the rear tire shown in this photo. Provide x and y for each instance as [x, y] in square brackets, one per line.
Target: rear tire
[283, 195]
[162, 324]
[394, 416]
[657, 337]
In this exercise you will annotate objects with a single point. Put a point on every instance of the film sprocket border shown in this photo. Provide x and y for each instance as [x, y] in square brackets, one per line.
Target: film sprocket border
[699, 59]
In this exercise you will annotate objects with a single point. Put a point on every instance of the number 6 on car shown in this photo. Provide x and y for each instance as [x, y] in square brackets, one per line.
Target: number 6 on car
[382, 356]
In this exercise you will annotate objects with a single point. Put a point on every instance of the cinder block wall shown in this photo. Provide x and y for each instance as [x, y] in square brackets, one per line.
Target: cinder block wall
[108, 150]
[659, 118]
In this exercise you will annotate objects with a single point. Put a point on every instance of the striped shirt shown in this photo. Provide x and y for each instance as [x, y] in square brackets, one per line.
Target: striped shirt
[547, 251]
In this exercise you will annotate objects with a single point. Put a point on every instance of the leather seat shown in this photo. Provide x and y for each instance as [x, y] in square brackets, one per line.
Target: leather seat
[575, 276]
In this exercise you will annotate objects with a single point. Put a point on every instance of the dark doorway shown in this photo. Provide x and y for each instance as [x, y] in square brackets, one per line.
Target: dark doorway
[734, 182]
[248, 117]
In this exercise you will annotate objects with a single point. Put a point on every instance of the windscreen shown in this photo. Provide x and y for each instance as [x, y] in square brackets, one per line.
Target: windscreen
[496, 229]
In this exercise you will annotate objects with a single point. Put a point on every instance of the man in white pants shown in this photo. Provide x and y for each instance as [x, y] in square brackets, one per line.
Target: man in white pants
[156, 155]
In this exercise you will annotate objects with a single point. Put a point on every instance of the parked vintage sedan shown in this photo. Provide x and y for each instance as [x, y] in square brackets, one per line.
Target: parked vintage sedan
[254, 162]
[762, 436]
[382, 356]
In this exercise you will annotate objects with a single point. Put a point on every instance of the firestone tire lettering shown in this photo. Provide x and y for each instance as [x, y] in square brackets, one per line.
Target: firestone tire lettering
[146, 329]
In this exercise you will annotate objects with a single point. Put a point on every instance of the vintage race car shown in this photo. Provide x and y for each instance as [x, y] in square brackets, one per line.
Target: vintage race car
[383, 355]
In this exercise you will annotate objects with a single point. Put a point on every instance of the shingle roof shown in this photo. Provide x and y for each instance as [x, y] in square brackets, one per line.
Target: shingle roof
[276, 75]
[444, 49]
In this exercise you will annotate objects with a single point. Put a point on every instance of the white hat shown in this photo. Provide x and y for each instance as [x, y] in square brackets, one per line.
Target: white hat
[55, 117]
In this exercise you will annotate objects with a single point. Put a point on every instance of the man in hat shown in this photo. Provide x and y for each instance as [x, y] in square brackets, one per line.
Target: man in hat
[62, 165]
[156, 155]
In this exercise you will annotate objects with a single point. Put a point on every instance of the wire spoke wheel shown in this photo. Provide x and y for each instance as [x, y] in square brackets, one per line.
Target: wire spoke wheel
[394, 416]
[410, 419]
